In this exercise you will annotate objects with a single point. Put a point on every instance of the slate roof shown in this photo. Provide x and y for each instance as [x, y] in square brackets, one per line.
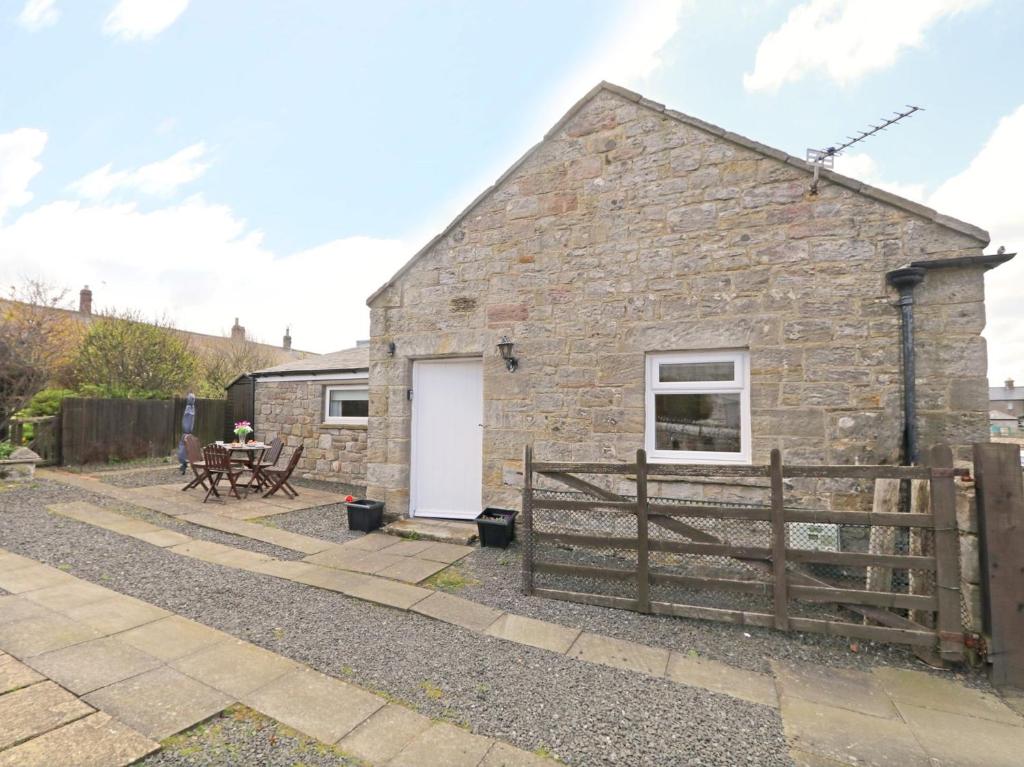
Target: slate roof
[354, 359]
[798, 162]
[1002, 394]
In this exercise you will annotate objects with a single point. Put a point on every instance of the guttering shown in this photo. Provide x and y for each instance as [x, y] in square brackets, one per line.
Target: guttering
[905, 280]
[987, 262]
[312, 375]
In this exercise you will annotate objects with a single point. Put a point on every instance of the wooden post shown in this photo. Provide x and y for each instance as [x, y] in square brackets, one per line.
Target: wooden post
[947, 554]
[1000, 497]
[882, 540]
[779, 544]
[921, 545]
[643, 570]
[527, 521]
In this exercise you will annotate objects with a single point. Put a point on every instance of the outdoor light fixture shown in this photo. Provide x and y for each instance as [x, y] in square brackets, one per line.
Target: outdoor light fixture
[505, 350]
[391, 349]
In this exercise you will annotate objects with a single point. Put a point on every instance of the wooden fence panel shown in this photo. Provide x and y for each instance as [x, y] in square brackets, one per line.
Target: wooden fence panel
[1001, 528]
[581, 546]
[113, 430]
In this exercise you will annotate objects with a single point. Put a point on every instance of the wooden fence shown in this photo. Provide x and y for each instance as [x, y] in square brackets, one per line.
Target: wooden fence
[738, 562]
[1001, 527]
[109, 430]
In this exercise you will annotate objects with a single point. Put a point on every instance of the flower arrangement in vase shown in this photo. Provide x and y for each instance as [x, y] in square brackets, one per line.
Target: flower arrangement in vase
[242, 430]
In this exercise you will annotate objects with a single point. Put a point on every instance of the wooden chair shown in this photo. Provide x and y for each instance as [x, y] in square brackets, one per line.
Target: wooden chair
[194, 456]
[220, 465]
[269, 461]
[278, 478]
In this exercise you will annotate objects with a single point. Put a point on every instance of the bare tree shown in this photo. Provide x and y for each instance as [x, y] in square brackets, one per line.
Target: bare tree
[36, 341]
[224, 361]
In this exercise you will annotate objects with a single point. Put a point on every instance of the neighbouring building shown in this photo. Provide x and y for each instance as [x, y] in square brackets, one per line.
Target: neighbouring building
[200, 341]
[322, 404]
[660, 282]
[1007, 398]
[1003, 424]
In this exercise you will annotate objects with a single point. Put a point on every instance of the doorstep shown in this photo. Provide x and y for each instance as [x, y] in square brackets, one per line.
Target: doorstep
[443, 530]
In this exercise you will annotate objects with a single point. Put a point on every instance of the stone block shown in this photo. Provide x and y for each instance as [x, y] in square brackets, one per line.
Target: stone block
[458, 611]
[88, 666]
[15, 675]
[315, 704]
[36, 709]
[443, 745]
[98, 740]
[529, 631]
[619, 653]
[159, 703]
[234, 667]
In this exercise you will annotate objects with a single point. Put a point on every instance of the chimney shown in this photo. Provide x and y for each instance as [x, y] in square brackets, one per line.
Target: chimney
[237, 331]
[85, 300]
[1009, 384]
[286, 343]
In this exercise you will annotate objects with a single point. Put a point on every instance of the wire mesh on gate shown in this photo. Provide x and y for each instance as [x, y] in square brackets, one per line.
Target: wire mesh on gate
[747, 586]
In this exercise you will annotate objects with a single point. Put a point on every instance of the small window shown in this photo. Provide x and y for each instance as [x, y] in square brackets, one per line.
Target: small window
[698, 407]
[346, 404]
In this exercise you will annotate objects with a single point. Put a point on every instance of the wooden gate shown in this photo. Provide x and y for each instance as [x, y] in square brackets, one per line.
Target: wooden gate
[44, 439]
[758, 564]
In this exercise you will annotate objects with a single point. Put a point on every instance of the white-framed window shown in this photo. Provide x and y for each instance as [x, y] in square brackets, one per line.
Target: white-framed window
[347, 404]
[698, 407]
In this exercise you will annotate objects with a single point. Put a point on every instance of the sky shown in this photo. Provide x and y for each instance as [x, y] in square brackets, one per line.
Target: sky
[277, 162]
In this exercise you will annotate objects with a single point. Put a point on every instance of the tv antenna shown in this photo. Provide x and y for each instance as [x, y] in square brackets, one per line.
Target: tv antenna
[825, 158]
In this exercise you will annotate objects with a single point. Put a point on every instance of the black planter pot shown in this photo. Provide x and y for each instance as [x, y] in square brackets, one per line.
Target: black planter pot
[365, 516]
[497, 527]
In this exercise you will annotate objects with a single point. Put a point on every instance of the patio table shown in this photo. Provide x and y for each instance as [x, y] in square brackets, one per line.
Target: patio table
[253, 457]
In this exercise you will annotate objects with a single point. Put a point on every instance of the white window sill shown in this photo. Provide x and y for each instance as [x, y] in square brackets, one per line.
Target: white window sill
[699, 460]
[361, 424]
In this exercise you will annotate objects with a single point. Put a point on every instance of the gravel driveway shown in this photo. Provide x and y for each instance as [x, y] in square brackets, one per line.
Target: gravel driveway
[582, 713]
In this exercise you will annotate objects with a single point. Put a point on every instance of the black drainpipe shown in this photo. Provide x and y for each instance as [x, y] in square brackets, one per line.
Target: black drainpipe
[905, 280]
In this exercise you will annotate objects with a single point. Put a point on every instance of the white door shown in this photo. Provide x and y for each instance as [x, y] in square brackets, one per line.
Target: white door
[447, 438]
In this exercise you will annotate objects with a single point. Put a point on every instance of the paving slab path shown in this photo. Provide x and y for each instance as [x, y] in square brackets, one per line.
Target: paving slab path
[324, 571]
[104, 698]
[831, 716]
[894, 717]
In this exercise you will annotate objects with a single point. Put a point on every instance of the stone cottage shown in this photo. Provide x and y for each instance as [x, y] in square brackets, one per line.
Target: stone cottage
[660, 282]
[320, 403]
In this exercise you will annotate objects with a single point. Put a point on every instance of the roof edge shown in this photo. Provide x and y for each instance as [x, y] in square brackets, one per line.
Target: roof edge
[300, 373]
[990, 261]
[948, 222]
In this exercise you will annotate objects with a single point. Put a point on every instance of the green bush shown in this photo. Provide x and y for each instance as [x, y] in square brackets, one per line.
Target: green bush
[45, 402]
[6, 448]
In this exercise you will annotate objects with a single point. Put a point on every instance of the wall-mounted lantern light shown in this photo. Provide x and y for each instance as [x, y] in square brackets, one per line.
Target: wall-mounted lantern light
[391, 348]
[505, 350]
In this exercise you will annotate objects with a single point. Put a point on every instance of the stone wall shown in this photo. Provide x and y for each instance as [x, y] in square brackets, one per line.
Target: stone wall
[293, 410]
[629, 231]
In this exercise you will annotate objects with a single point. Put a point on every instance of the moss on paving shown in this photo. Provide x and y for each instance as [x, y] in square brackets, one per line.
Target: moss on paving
[240, 736]
[450, 579]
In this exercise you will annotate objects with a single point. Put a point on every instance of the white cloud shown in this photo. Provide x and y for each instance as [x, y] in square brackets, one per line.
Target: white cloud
[629, 54]
[195, 261]
[864, 168]
[161, 178]
[19, 163]
[985, 194]
[982, 194]
[142, 19]
[845, 39]
[38, 14]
